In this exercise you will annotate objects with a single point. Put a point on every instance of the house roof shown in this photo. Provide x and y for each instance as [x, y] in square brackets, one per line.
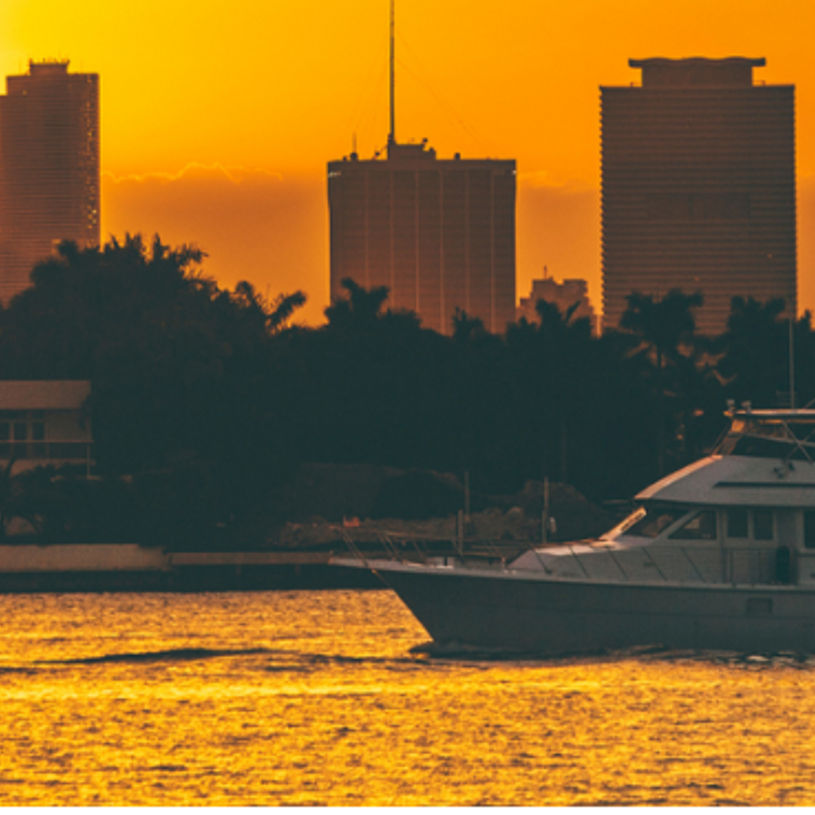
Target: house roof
[43, 394]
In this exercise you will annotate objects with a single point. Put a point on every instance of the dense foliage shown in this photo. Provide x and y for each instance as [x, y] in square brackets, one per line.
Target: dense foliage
[209, 399]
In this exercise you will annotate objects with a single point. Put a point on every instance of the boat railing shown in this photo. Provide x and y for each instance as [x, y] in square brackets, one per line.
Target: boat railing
[680, 563]
[580, 562]
[349, 541]
[655, 564]
[740, 565]
[412, 549]
[753, 566]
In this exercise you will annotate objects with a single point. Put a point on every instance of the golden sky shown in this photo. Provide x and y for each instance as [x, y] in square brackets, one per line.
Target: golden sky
[218, 117]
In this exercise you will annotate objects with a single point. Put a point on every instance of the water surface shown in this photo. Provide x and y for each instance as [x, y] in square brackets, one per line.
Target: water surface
[284, 698]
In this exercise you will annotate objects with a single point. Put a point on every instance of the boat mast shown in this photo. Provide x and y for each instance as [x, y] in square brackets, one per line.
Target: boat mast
[792, 363]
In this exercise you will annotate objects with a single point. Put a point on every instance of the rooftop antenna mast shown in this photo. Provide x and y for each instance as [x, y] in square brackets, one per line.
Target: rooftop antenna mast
[392, 133]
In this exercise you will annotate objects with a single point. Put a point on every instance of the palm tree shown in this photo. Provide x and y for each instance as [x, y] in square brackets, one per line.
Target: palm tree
[665, 327]
[362, 307]
[275, 314]
[466, 328]
[665, 333]
[754, 363]
[554, 354]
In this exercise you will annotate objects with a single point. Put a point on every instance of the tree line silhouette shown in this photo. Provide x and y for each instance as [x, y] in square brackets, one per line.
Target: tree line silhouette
[209, 399]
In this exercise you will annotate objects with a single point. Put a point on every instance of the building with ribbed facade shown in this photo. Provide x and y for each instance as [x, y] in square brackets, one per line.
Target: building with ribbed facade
[439, 233]
[49, 167]
[698, 186]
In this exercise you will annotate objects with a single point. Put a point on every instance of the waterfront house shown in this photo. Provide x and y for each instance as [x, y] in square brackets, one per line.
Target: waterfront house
[45, 422]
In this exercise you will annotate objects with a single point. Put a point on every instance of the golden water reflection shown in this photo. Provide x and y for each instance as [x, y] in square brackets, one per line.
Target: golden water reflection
[313, 698]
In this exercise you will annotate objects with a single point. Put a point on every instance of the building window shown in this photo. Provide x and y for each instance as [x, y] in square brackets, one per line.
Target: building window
[26, 427]
[762, 525]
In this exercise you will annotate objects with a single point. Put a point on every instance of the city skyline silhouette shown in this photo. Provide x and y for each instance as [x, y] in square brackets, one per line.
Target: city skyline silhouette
[230, 155]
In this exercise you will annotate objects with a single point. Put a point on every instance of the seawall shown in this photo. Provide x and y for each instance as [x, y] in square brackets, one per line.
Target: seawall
[29, 567]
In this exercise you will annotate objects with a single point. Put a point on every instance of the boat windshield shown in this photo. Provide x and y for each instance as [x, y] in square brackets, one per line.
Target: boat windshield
[771, 434]
[646, 522]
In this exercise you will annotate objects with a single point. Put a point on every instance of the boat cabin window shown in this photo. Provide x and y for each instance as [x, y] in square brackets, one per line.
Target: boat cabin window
[654, 521]
[701, 526]
[809, 530]
[763, 525]
[737, 523]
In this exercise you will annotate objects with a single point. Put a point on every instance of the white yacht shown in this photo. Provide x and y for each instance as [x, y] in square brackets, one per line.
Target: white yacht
[720, 554]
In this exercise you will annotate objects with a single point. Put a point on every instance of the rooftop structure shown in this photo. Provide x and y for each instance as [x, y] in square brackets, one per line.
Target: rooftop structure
[730, 72]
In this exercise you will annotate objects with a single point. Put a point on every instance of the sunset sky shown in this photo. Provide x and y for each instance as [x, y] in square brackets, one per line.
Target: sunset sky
[218, 118]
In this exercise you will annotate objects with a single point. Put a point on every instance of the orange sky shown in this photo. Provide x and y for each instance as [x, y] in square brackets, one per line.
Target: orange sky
[218, 117]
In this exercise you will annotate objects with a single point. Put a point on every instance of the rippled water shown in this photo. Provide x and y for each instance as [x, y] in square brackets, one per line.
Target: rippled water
[313, 698]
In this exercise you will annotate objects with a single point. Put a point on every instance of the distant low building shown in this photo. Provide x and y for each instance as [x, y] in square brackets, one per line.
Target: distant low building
[45, 422]
[564, 295]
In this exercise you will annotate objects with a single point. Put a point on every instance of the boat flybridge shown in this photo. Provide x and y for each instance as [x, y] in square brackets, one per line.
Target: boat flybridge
[743, 515]
[720, 554]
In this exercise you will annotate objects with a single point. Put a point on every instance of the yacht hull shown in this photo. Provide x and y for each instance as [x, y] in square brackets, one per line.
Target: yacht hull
[508, 611]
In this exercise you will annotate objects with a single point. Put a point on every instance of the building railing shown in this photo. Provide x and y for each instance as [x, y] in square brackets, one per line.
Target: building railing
[47, 450]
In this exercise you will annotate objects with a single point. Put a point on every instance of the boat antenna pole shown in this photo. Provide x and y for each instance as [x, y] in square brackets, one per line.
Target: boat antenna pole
[792, 363]
[392, 132]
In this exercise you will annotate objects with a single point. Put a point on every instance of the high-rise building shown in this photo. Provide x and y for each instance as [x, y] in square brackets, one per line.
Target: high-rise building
[440, 234]
[49, 167]
[698, 186]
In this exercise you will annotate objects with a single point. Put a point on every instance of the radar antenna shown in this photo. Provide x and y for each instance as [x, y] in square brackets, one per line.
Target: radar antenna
[392, 132]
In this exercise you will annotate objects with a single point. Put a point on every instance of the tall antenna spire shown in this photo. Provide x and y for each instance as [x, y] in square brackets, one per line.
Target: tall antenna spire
[392, 132]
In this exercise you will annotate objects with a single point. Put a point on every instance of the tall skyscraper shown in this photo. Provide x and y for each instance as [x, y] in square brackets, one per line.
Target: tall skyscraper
[49, 167]
[698, 186]
[439, 233]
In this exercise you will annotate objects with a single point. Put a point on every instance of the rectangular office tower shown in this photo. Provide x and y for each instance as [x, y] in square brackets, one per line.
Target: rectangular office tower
[698, 187]
[440, 234]
[49, 167]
